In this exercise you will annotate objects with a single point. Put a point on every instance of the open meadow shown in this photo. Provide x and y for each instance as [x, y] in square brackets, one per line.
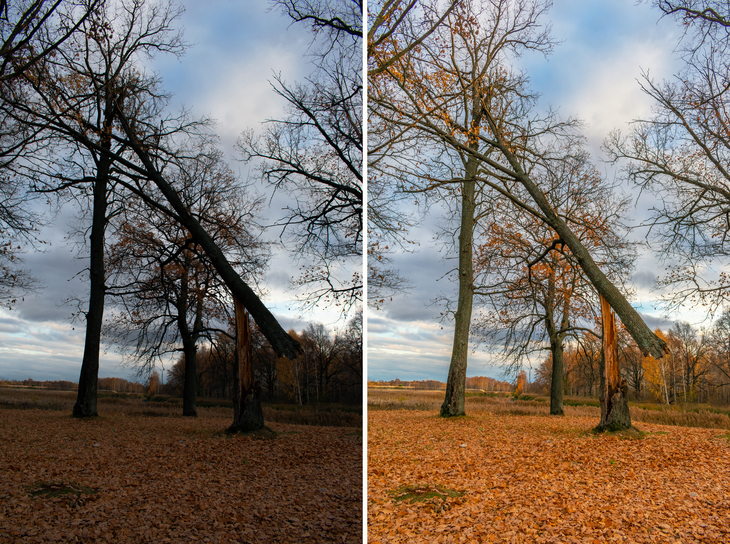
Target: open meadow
[142, 473]
[509, 472]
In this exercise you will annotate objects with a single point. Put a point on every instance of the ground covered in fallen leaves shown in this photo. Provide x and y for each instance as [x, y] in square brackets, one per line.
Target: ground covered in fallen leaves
[521, 478]
[121, 478]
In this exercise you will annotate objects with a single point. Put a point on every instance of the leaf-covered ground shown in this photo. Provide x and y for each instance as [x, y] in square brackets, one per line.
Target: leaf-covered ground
[516, 478]
[172, 479]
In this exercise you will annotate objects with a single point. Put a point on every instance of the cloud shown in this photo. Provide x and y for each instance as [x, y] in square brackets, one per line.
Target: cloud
[592, 74]
[237, 47]
[644, 279]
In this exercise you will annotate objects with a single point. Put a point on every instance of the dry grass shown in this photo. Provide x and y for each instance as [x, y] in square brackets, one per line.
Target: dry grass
[135, 405]
[688, 416]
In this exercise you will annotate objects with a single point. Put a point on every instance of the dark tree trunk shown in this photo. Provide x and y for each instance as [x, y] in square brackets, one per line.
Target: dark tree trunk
[556, 346]
[190, 380]
[614, 397]
[87, 394]
[247, 412]
[453, 404]
[189, 341]
[556, 380]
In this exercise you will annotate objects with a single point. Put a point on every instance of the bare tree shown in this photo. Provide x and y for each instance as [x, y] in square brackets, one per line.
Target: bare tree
[691, 353]
[339, 19]
[396, 28]
[705, 21]
[537, 293]
[77, 91]
[315, 153]
[680, 154]
[108, 114]
[30, 31]
[395, 20]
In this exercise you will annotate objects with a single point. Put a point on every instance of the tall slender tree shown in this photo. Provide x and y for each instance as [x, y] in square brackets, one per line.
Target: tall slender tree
[80, 90]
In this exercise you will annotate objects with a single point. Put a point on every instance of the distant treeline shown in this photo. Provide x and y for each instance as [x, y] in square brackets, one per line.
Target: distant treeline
[475, 382]
[119, 385]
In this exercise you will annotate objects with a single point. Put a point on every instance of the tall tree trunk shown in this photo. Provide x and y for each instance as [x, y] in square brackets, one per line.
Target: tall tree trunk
[247, 412]
[556, 346]
[453, 404]
[189, 341]
[614, 396]
[87, 394]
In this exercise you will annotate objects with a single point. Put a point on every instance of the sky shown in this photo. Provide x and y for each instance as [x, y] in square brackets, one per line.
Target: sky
[592, 74]
[236, 48]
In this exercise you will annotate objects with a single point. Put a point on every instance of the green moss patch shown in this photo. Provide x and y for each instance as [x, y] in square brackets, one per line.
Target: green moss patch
[59, 489]
[423, 492]
[632, 433]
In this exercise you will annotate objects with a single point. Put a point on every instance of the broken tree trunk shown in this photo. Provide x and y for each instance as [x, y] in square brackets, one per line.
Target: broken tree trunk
[615, 414]
[247, 412]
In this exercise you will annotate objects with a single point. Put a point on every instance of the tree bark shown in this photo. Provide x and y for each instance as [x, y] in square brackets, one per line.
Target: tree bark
[556, 347]
[614, 397]
[453, 404]
[189, 341]
[190, 380]
[556, 380]
[247, 412]
[87, 393]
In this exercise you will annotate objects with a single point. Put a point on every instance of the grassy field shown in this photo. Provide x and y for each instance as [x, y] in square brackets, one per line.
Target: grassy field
[509, 472]
[336, 415]
[691, 415]
[142, 473]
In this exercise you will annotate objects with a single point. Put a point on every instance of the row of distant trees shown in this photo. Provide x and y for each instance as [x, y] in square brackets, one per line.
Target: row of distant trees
[697, 370]
[329, 368]
[118, 385]
[475, 382]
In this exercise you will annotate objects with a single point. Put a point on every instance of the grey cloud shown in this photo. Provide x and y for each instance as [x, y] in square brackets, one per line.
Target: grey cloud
[644, 279]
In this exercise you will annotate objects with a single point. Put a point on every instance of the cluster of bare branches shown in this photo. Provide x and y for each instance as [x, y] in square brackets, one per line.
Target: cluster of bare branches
[316, 152]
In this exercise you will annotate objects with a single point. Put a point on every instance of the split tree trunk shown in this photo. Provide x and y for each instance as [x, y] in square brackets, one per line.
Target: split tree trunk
[614, 397]
[247, 412]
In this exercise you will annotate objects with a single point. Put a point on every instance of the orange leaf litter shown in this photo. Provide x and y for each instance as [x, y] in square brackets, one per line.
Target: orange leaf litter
[544, 479]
